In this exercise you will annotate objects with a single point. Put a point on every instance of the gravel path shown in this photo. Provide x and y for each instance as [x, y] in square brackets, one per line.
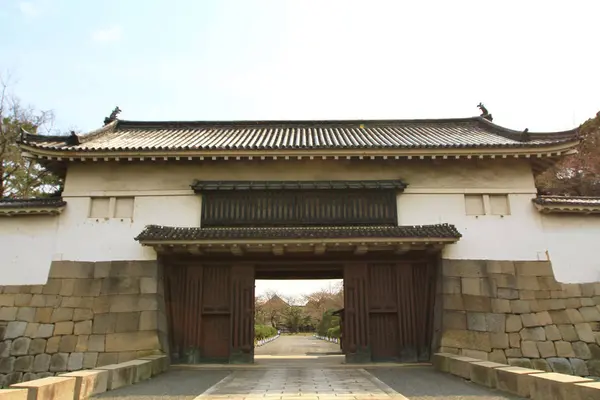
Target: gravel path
[297, 345]
[423, 383]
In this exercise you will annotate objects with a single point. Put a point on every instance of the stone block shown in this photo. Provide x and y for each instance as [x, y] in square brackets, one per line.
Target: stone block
[529, 349]
[82, 314]
[43, 315]
[23, 299]
[477, 303]
[90, 359]
[546, 349]
[104, 323]
[520, 362]
[514, 340]
[107, 358]
[461, 366]
[132, 341]
[24, 364]
[5, 348]
[7, 300]
[553, 386]
[8, 313]
[520, 306]
[125, 356]
[560, 317]
[71, 269]
[483, 373]
[87, 288]
[542, 294]
[160, 363]
[464, 268]
[590, 314]
[439, 360]
[15, 329]
[587, 302]
[586, 391]
[101, 305]
[528, 283]
[552, 332]
[128, 322]
[143, 369]
[564, 349]
[52, 286]
[475, 287]
[541, 364]
[476, 354]
[83, 328]
[51, 388]
[504, 281]
[134, 268]
[451, 285]
[560, 365]
[581, 350]
[574, 316]
[75, 362]
[53, 344]
[102, 269]
[31, 329]
[12, 378]
[593, 367]
[148, 285]
[78, 302]
[58, 362]
[26, 314]
[513, 323]
[585, 333]
[568, 333]
[500, 267]
[476, 322]
[498, 356]
[579, 367]
[63, 328]
[495, 322]
[89, 383]
[533, 268]
[537, 334]
[451, 320]
[136, 303]
[67, 344]
[571, 289]
[500, 306]
[508, 294]
[499, 340]
[62, 314]
[67, 287]
[41, 363]
[44, 331]
[96, 343]
[120, 285]
[45, 300]
[20, 346]
[82, 343]
[13, 394]
[119, 375]
[466, 339]
[515, 380]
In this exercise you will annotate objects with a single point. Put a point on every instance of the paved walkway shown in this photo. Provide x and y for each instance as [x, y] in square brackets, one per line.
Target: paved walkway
[303, 368]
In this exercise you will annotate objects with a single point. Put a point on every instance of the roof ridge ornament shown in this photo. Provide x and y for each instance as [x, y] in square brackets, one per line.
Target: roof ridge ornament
[484, 112]
[113, 116]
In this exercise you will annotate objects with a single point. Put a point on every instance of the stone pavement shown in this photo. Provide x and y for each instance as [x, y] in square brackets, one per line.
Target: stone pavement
[302, 368]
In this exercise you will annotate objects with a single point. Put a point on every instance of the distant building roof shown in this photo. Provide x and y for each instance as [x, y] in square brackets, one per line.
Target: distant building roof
[42, 206]
[568, 204]
[145, 139]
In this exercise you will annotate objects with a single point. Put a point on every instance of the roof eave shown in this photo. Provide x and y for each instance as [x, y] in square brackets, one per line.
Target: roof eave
[24, 211]
[567, 208]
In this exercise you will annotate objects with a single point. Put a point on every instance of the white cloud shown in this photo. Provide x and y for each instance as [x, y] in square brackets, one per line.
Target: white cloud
[29, 9]
[112, 34]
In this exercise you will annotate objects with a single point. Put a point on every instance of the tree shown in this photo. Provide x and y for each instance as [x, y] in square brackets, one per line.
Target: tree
[21, 177]
[294, 318]
[577, 174]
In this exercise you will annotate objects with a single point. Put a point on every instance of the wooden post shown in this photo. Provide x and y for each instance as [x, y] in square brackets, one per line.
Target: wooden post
[242, 314]
[356, 314]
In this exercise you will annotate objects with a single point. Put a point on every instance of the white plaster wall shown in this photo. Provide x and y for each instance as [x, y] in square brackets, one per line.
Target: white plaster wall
[518, 236]
[88, 239]
[573, 241]
[26, 248]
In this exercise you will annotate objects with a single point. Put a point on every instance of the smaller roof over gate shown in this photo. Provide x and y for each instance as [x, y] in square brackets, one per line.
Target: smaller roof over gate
[568, 204]
[47, 206]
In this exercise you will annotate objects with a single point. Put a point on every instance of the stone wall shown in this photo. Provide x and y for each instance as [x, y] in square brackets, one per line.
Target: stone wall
[87, 315]
[517, 313]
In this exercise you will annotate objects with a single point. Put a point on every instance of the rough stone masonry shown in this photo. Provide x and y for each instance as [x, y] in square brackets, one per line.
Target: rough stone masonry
[87, 315]
[516, 313]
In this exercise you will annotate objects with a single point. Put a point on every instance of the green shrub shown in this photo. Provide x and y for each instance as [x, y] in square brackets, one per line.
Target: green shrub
[264, 332]
[334, 332]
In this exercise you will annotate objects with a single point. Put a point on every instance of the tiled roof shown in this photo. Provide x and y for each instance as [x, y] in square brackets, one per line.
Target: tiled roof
[576, 204]
[199, 186]
[153, 233]
[232, 136]
[52, 205]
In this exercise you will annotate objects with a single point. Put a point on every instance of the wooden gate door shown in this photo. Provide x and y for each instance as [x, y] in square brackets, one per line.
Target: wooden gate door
[242, 321]
[388, 311]
[198, 303]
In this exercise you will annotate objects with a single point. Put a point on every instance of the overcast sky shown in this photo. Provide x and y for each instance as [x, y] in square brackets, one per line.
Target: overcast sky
[533, 63]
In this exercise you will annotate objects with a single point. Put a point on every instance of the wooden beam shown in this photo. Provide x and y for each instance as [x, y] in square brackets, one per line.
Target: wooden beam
[278, 250]
[237, 250]
[320, 249]
[361, 249]
[402, 249]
